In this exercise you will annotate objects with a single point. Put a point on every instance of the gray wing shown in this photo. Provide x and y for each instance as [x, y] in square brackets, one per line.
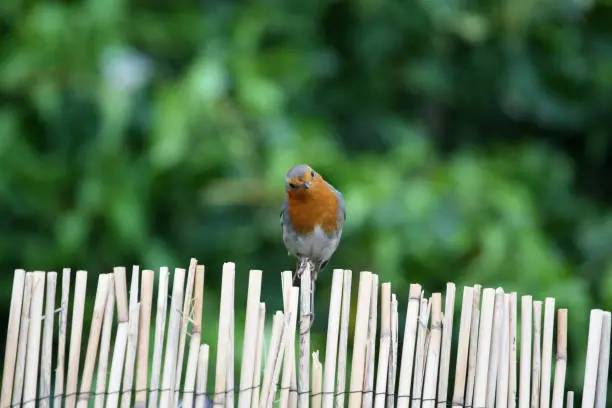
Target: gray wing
[341, 206]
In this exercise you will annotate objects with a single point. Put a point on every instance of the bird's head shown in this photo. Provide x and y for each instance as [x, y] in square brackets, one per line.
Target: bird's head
[300, 178]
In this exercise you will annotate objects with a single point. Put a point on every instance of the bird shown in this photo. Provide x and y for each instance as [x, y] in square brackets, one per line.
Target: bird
[312, 219]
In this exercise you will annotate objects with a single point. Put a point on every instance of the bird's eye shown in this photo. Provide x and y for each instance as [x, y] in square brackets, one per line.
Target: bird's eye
[312, 173]
[292, 185]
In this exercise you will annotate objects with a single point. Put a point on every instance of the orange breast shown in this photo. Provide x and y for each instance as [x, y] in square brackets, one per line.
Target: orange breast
[316, 206]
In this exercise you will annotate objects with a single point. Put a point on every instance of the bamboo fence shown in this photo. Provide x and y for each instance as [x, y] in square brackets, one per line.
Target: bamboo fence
[502, 358]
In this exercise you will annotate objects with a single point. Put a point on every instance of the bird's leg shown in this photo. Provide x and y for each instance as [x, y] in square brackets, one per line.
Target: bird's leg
[312, 312]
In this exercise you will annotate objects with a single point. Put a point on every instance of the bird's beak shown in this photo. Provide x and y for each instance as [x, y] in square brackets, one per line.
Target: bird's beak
[307, 185]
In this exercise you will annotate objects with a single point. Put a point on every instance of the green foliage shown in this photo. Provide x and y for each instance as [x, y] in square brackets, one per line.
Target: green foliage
[471, 143]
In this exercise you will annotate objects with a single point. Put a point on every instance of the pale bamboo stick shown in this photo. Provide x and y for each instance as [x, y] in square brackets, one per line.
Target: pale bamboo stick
[61, 342]
[249, 346]
[123, 317]
[592, 358]
[158, 344]
[343, 341]
[463, 347]
[333, 330]
[34, 334]
[525, 362]
[258, 356]
[317, 376]
[94, 339]
[385, 345]
[371, 346]
[202, 376]
[144, 330]
[78, 309]
[570, 399]
[604, 362]
[44, 392]
[273, 354]
[512, 372]
[536, 355]
[561, 360]
[473, 351]
[23, 342]
[421, 348]
[189, 387]
[227, 283]
[547, 347]
[391, 377]
[12, 337]
[484, 347]
[107, 327]
[447, 339]
[305, 272]
[132, 340]
[501, 401]
[289, 355]
[187, 300]
[496, 334]
[432, 364]
[360, 340]
[166, 396]
[408, 346]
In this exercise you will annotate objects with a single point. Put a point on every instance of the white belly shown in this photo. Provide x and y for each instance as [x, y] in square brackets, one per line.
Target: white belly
[317, 245]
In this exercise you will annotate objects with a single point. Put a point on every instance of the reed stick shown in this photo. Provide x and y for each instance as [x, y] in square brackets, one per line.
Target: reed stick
[547, 347]
[185, 316]
[202, 376]
[12, 336]
[368, 398]
[305, 271]
[123, 317]
[333, 330]
[144, 330]
[496, 336]
[107, 326]
[258, 356]
[158, 343]
[473, 350]
[484, 347]
[536, 355]
[317, 377]
[61, 342]
[512, 372]
[525, 363]
[78, 310]
[592, 358]
[289, 366]
[392, 375]
[385, 345]
[44, 392]
[343, 341]
[273, 354]
[95, 331]
[432, 363]
[249, 346]
[34, 334]
[447, 338]
[421, 347]
[17, 393]
[289, 344]
[570, 399]
[463, 347]
[408, 346]
[166, 395]
[189, 388]
[503, 369]
[561, 360]
[221, 369]
[360, 340]
[132, 340]
[604, 362]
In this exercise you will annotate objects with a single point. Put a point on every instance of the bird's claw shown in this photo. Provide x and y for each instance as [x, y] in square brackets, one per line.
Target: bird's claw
[311, 315]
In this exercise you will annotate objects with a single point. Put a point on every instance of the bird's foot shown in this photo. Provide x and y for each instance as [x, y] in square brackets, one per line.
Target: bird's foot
[311, 316]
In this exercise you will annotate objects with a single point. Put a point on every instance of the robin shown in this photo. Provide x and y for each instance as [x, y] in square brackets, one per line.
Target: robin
[312, 219]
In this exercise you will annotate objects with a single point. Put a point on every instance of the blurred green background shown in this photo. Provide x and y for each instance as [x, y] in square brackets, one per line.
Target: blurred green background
[471, 142]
